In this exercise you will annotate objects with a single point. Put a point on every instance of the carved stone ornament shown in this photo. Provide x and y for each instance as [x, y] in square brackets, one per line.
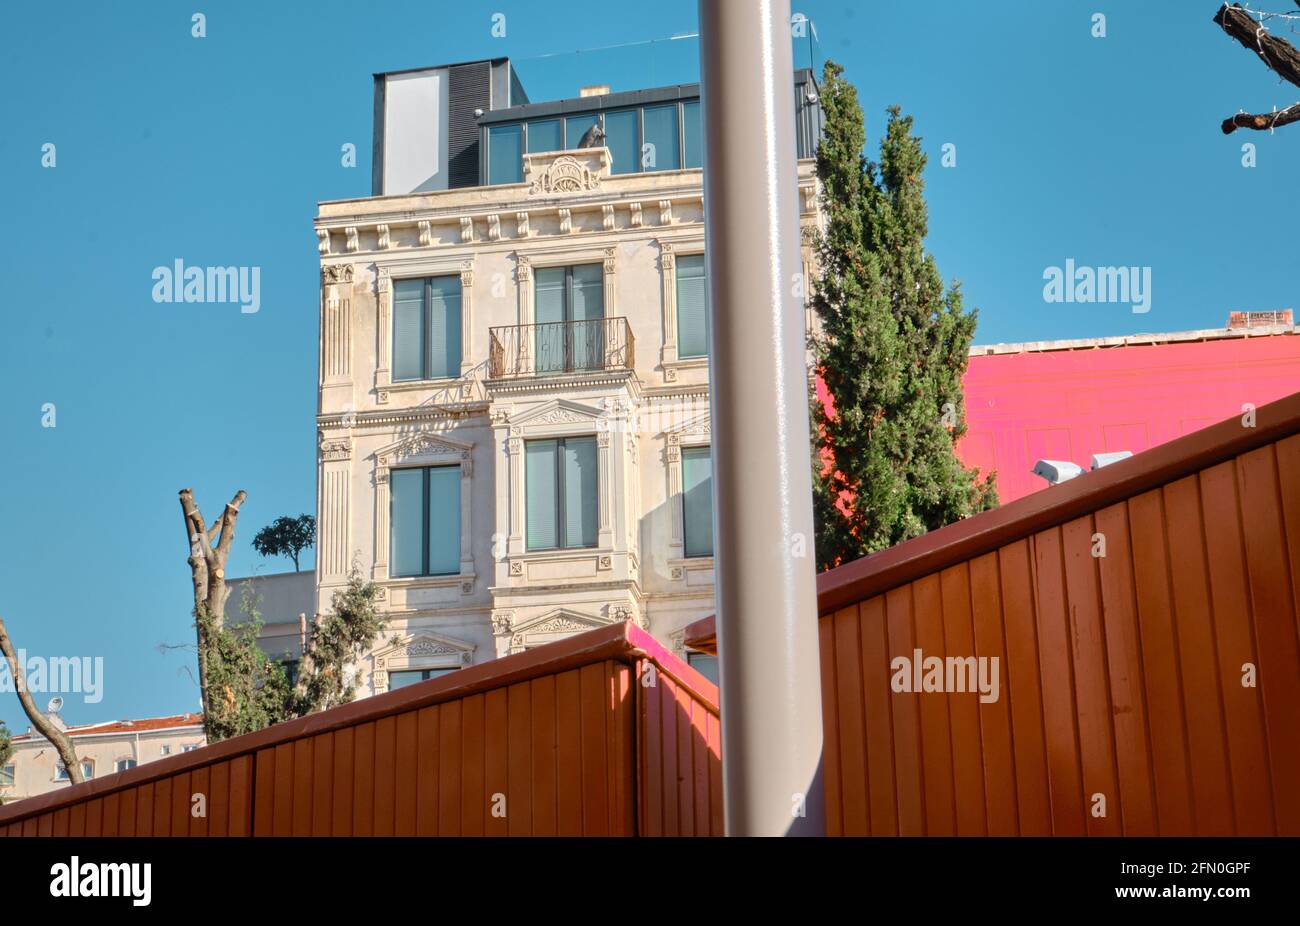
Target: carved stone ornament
[565, 175]
[336, 273]
[503, 622]
[331, 450]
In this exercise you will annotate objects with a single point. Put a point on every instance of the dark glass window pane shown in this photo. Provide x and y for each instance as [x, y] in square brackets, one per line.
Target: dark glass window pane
[586, 309]
[411, 676]
[692, 307]
[704, 664]
[691, 138]
[505, 154]
[545, 136]
[541, 501]
[549, 314]
[406, 516]
[444, 327]
[444, 520]
[659, 147]
[580, 501]
[620, 138]
[697, 500]
[408, 329]
[575, 127]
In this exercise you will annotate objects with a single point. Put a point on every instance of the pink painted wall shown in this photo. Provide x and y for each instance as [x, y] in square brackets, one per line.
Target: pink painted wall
[1070, 404]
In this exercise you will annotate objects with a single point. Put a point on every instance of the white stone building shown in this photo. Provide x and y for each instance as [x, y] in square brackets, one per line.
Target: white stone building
[513, 422]
[103, 748]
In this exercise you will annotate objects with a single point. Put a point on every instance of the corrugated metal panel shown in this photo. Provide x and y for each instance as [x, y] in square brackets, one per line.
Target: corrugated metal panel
[556, 741]
[469, 88]
[1121, 676]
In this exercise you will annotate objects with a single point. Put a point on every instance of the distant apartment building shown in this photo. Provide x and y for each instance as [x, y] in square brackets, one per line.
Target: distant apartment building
[103, 748]
[514, 437]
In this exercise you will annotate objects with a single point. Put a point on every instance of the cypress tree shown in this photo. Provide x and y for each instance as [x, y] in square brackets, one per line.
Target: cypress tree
[892, 350]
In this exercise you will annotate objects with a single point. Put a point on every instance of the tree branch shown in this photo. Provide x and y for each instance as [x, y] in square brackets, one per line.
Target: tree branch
[62, 743]
[1278, 54]
[196, 538]
[1262, 121]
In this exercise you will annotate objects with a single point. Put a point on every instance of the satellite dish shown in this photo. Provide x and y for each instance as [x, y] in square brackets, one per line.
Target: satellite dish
[55, 705]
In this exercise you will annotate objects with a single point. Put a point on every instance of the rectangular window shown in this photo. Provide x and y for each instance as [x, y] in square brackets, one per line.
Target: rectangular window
[692, 142]
[87, 771]
[544, 135]
[704, 664]
[697, 500]
[6, 776]
[621, 139]
[561, 493]
[692, 307]
[505, 154]
[412, 676]
[576, 126]
[569, 308]
[190, 748]
[165, 750]
[660, 138]
[425, 521]
[123, 764]
[426, 328]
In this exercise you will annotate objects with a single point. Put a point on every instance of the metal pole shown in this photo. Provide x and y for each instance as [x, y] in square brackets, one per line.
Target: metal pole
[762, 463]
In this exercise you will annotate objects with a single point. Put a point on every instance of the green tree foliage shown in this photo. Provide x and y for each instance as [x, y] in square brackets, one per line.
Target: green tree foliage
[286, 537]
[339, 639]
[893, 348]
[249, 690]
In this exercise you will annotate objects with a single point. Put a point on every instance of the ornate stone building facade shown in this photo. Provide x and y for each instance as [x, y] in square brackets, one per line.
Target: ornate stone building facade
[513, 441]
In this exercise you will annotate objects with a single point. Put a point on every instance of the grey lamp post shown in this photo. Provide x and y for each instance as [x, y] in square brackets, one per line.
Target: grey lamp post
[762, 478]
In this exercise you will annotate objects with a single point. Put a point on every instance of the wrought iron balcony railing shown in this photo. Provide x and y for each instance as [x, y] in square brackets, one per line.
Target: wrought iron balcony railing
[553, 348]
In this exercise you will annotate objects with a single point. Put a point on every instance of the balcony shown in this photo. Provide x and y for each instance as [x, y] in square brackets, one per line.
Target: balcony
[557, 348]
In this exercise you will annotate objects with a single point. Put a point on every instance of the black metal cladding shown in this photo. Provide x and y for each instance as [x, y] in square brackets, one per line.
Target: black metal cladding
[469, 89]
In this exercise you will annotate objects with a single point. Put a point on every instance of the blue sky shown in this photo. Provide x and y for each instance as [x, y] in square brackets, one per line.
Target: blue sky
[215, 151]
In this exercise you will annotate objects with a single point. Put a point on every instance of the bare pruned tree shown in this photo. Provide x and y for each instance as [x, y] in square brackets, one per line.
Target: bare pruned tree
[209, 548]
[1279, 55]
[46, 727]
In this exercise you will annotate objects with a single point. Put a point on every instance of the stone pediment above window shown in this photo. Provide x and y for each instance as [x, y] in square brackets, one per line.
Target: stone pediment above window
[552, 626]
[559, 411]
[423, 645]
[559, 172]
[423, 447]
[695, 429]
[419, 651]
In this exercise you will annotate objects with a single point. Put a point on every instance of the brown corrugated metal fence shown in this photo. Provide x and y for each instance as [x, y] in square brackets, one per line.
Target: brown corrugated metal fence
[1152, 690]
[602, 734]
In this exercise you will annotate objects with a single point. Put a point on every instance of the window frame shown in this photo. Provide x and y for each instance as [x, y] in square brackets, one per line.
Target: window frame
[8, 774]
[422, 671]
[119, 763]
[522, 126]
[695, 449]
[61, 771]
[561, 508]
[677, 304]
[678, 105]
[425, 527]
[426, 318]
